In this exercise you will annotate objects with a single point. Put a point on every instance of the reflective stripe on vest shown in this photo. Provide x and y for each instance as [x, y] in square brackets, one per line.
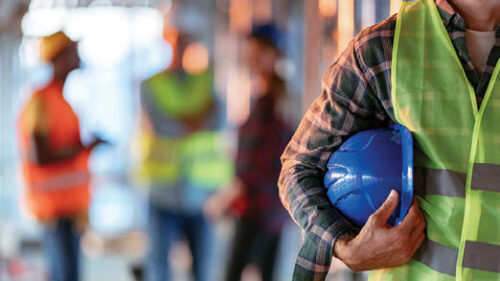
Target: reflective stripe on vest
[161, 160]
[62, 181]
[486, 177]
[457, 155]
[439, 182]
[482, 256]
[478, 255]
[206, 162]
[199, 158]
[438, 257]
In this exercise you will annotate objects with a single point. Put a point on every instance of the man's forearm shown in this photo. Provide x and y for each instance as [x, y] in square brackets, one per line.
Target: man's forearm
[304, 196]
[41, 153]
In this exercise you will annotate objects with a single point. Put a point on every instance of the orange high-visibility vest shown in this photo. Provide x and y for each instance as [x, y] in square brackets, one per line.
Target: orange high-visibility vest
[61, 188]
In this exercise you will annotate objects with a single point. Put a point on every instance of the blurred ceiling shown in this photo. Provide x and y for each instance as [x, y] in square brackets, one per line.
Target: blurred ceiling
[44, 4]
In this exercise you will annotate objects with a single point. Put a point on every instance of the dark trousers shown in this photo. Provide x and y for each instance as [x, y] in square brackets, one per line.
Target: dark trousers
[61, 242]
[252, 244]
[165, 227]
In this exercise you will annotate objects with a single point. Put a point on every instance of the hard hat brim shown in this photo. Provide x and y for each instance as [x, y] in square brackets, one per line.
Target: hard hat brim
[406, 196]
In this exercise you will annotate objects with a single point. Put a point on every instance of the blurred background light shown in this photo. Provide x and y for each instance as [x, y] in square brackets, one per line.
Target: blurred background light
[240, 16]
[112, 210]
[327, 8]
[195, 58]
[345, 23]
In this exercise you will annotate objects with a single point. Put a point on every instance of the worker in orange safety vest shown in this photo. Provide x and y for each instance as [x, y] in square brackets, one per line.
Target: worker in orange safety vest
[55, 162]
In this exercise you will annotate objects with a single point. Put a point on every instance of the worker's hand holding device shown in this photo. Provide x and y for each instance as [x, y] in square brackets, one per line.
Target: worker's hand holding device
[366, 177]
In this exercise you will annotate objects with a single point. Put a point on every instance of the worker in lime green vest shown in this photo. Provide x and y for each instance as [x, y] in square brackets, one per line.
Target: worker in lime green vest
[183, 160]
[433, 68]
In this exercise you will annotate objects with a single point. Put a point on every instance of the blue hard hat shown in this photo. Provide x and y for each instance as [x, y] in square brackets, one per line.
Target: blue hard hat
[362, 172]
[271, 34]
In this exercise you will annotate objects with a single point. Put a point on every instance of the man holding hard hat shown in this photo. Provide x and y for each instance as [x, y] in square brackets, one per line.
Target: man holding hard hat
[433, 69]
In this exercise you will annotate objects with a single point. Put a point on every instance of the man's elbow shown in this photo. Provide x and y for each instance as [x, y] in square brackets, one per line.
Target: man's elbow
[37, 157]
[37, 151]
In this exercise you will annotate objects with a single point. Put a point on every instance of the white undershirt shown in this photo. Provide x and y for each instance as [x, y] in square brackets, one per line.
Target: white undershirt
[479, 44]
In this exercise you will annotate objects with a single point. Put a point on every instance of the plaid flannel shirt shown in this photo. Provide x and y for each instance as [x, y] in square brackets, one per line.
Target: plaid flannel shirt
[261, 139]
[355, 97]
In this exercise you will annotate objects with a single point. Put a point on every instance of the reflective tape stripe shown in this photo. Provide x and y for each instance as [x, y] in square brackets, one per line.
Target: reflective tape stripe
[63, 181]
[486, 177]
[439, 182]
[437, 256]
[482, 256]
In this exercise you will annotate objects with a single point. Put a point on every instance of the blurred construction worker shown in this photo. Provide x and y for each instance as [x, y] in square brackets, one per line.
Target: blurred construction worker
[432, 68]
[55, 162]
[253, 197]
[182, 160]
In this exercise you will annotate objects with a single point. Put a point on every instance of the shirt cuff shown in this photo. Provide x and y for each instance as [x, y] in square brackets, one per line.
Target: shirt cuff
[316, 253]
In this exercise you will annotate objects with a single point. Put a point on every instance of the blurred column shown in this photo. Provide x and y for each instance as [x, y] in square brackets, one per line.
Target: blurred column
[240, 15]
[262, 11]
[345, 23]
[238, 95]
[327, 8]
[395, 4]
[312, 53]
[11, 13]
[368, 13]
[238, 79]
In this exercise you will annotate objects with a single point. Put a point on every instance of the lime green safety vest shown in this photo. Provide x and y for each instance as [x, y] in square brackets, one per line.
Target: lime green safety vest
[161, 161]
[205, 161]
[457, 152]
[199, 158]
[181, 97]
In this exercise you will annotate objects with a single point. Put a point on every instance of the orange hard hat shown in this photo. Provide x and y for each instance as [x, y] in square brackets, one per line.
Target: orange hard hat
[52, 45]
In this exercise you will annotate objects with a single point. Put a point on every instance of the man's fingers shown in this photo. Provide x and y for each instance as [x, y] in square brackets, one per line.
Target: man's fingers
[385, 211]
[409, 222]
[418, 230]
[418, 243]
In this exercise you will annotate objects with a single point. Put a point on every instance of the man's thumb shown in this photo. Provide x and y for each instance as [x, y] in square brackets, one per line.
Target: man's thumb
[385, 211]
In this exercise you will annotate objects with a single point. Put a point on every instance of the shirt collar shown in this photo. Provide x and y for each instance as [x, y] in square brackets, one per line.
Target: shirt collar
[450, 16]
[452, 19]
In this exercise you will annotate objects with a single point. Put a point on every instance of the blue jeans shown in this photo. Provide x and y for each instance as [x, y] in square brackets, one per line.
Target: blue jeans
[164, 228]
[62, 249]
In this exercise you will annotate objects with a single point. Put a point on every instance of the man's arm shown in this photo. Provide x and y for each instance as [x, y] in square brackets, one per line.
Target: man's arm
[39, 150]
[345, 106]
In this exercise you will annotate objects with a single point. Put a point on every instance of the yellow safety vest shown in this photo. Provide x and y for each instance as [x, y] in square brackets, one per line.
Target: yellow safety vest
[457, 153]
[200, 157]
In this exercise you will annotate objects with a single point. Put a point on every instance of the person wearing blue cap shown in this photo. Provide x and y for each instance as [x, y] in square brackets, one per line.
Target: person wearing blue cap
[253, 197]
[432, 68]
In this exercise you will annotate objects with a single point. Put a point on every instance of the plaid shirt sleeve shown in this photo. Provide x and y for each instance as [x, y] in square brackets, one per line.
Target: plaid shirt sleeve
[347, 104]
[355, 96]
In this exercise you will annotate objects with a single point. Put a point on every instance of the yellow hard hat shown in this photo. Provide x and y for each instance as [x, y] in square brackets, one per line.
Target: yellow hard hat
[52, 45]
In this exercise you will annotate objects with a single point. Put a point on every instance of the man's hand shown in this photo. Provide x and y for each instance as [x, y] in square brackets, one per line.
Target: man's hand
[97, 141]
[378, 245]
[218, 204]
